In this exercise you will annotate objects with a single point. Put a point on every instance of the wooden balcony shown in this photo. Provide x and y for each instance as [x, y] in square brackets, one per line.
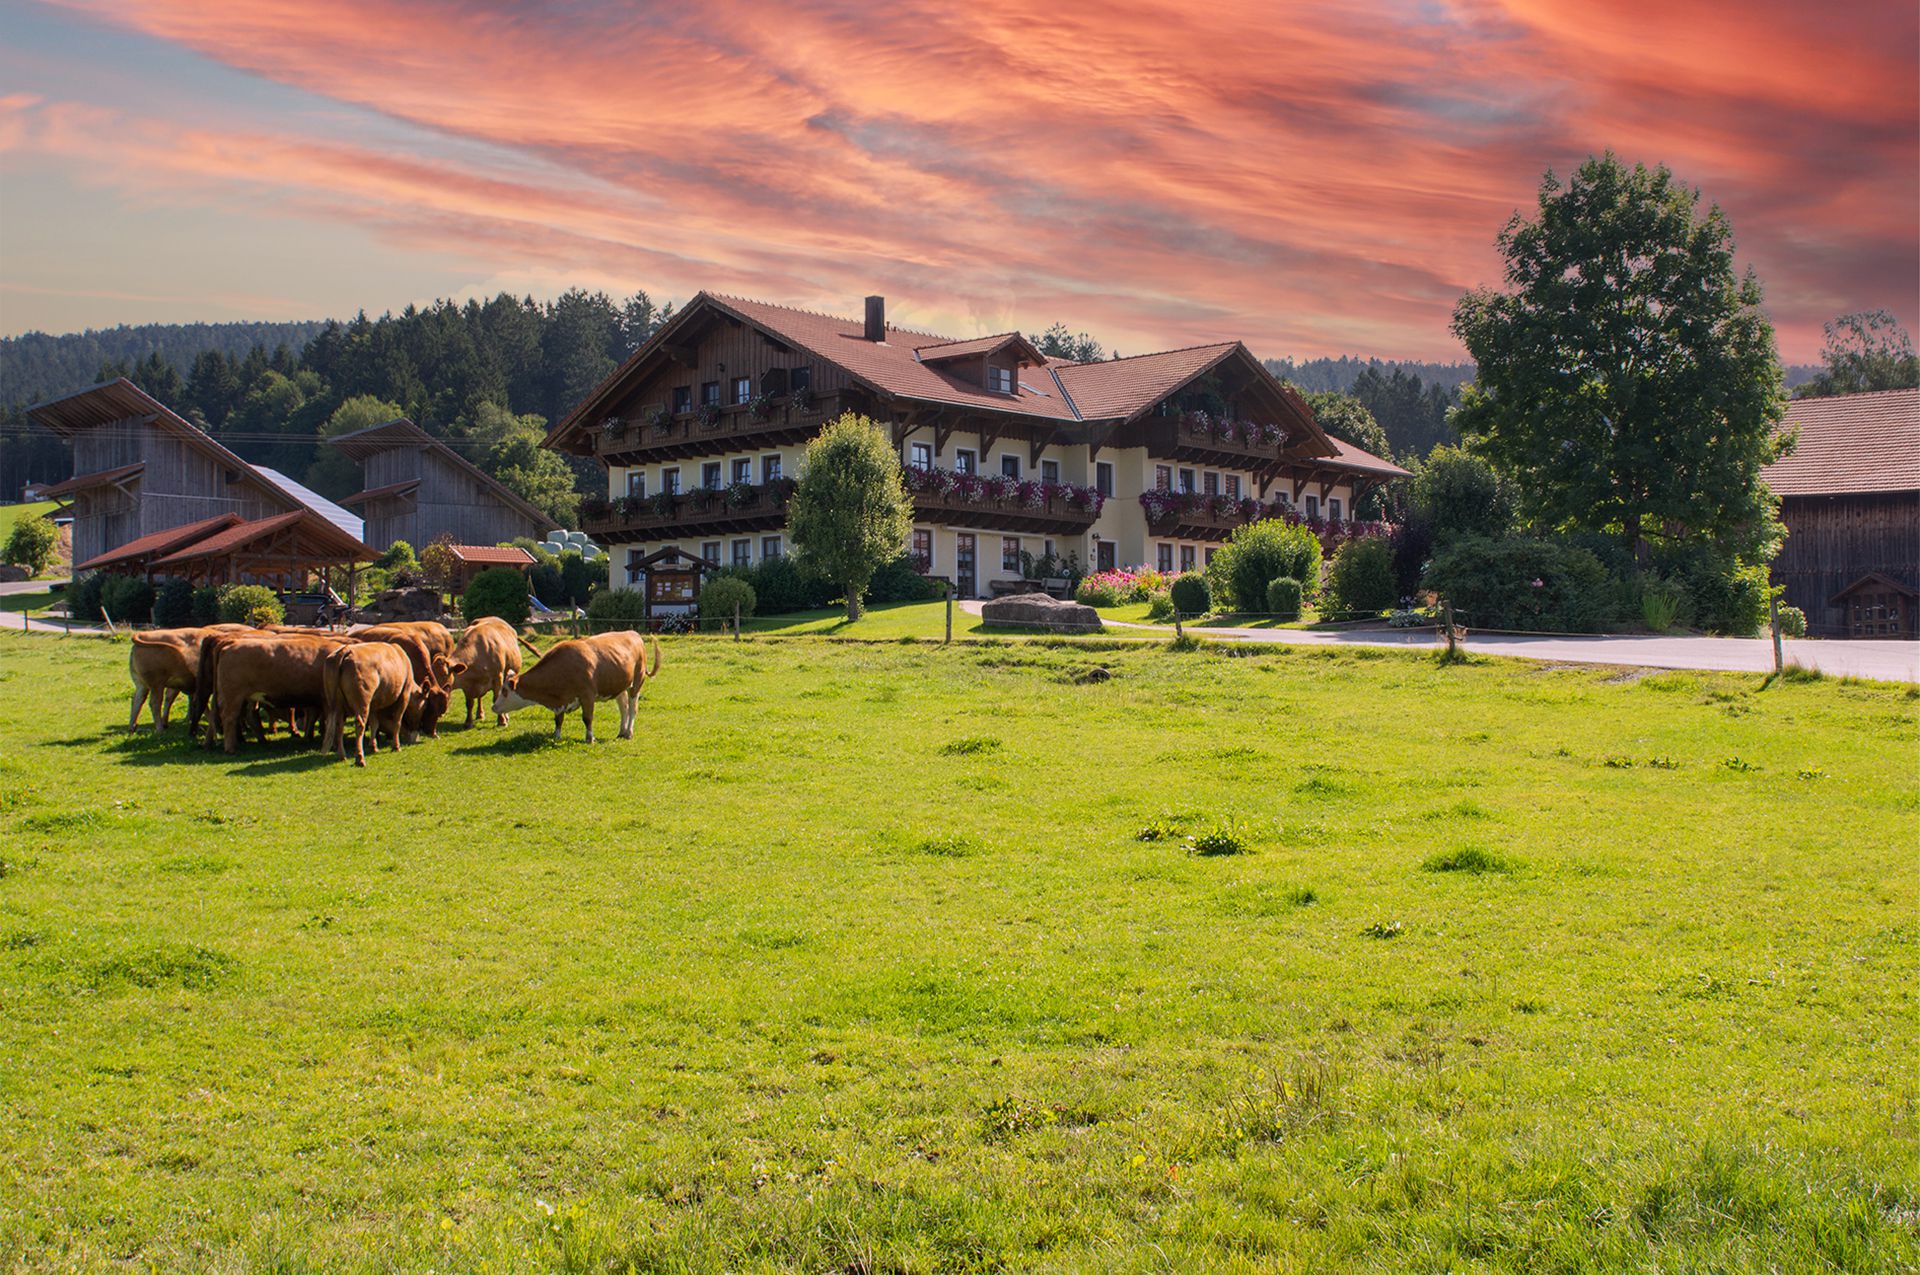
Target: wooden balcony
[732, 429]
[733, 512]
[1182, 439]
[1056, 517]
[1198, 517]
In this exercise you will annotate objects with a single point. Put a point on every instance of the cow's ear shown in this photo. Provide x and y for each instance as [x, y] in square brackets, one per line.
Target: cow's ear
[456, 668]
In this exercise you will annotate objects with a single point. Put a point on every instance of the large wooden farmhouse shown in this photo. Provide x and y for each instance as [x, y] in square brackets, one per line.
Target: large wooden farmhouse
[1150, 460]
[416, 489]
[153, 493]
[1850, 498]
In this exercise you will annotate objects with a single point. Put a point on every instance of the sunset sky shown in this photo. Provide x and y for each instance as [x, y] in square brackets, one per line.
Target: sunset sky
[1314, 178]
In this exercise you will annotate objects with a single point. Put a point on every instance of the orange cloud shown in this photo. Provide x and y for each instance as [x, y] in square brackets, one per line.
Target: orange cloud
[1317, 177]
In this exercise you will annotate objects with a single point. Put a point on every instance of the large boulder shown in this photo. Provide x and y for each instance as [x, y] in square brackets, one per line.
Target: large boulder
[405, 604]
[11, 574]
[1037, 610]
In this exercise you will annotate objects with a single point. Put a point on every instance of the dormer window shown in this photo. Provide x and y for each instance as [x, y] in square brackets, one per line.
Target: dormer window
[682, 399]
[1000, 380]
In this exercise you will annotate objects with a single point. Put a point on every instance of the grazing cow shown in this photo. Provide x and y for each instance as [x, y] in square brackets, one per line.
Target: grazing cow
[368, 680]
[432, 667]
[162, 663]
[580, 671]
[432, 634]
[490, 653]
[283, 671]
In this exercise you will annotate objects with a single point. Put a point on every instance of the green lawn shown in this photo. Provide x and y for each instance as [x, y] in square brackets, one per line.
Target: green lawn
[10, 514]
[36, 600]
[856, 960]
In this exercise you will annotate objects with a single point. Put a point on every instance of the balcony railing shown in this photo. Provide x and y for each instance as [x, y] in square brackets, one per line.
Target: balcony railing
[743, 507]
[1215, 440]
[1004, 504]
[1192, 515]
[710, 428]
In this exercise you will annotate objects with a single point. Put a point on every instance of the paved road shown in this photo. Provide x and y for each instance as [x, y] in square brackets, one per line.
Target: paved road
[1887, 661]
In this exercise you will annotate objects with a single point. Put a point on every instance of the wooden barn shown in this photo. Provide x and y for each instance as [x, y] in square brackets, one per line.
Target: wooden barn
[1850, 497]
[140, 470]
[416, 488]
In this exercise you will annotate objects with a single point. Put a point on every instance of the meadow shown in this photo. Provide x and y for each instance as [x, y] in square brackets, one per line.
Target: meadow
[897, 957]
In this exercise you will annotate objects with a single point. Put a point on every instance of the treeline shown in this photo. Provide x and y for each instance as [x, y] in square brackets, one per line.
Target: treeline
[1410, 401]
[36, 366]
[485, 376]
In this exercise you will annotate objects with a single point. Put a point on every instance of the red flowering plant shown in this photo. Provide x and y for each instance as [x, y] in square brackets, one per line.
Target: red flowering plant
[1250, 508]
[1035, 495]
[1159, 504]
[661, 420]
[1001, 487]
[967, 486]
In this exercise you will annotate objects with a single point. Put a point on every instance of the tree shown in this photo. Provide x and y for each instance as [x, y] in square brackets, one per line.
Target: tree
[332, 472]
[1057, 342]
[1627, 378]
[1864, 351]
[31, 544]
[508, 447]
[850, 512]
[1456, 494]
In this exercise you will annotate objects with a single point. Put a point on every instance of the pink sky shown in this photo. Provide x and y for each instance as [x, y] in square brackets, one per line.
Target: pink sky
[1313, 178]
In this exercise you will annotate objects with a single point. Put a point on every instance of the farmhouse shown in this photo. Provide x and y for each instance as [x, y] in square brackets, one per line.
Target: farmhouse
[153, 493]
[1012, 456]
[1850, 498]
[416, 489]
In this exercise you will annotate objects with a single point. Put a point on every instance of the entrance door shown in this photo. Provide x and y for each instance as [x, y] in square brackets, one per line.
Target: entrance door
[963, 557]
[1103, 556]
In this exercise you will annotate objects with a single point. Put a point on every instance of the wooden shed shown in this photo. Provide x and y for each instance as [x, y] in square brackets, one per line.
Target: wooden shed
[417, 489]
[1850, 498]
[474, 559]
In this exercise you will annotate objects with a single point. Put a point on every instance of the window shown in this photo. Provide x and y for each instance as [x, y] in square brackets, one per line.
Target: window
[710, 475]
[800, 378]
[742, 388]
[923, 548]
[1164, 556]
[1186, 480]
[683, 398]
[963, 462]
[769, 548]
[711, 551]
[1233, 486]
[1210, 483]
[742, 552]
[633, 565]
[636, 482]
[1313, 506]
[1210, 552]
[1104, 556]
[1049, 471]
[1163, 478]
[769, 468]
[1010, 466]
[1333, 509]
[1186, 557]
[743, 469]
[1046, 548]
[1009, 553]
[1103, 478]
[920, 455]
[710, 394]
[670, 480]
[1000, 380]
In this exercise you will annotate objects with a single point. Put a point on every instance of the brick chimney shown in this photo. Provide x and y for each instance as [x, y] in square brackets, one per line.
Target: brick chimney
[876, 318]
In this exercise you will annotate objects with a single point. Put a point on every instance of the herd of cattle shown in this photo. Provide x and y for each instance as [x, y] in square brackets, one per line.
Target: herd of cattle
[397, 678]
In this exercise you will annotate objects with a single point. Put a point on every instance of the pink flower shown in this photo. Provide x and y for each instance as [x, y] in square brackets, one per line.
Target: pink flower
[1538, 583]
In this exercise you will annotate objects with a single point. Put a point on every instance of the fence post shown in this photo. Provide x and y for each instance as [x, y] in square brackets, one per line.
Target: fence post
[736, 621]
[1779, 657]
[949, 592]
[1178, 632]
[1453, 639]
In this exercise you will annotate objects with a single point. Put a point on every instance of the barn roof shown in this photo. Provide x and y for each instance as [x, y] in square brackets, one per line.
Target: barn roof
[308, 535]
[1851, 443]
[99, 478]
[159, 543]
[315, 501]
[1347, 456]
[119, 400]
[492, 555]
[381, 493]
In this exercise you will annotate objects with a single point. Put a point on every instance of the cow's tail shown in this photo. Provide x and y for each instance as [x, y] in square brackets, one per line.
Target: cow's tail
[655, 670]
[202, 683]
[526, 642]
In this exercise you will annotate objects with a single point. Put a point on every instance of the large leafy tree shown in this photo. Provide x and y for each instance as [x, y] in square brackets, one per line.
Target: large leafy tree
[332, 472]
[1627, 378]
[1864, 351]
[850, 513]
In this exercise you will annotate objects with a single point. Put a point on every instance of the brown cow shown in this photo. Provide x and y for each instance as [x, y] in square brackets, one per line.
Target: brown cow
[582, 670]
[285, 671]
[432, 667]
[162, 663]
[490, 652]
[432, 634]
[368, 679]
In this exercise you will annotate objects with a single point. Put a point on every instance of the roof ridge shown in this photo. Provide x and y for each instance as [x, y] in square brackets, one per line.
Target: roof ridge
[938, 338]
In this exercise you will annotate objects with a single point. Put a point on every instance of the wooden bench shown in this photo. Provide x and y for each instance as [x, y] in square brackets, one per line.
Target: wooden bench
[1007, 588]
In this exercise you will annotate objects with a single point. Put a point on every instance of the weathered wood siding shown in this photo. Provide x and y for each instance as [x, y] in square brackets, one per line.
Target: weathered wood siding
[1834, 540]
[450, 500]
[181, 484]
[723, 353]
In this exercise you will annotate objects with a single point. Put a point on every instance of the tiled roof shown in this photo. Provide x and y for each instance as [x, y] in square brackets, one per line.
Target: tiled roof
[1851, 443]
[1347, 456]
[99, 478]
[324, 536]
[156, 543]
[381, 493]
[1121, 387]
[499, 555]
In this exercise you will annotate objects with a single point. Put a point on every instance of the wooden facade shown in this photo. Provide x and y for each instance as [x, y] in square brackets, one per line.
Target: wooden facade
[418, 489]
[1832, 541]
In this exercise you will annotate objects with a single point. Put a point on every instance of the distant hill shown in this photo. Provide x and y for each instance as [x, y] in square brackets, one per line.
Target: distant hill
[37, 366]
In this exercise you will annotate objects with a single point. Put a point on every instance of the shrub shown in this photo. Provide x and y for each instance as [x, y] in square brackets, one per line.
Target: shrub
[1361, 581]
[1728, 596]
[128, 599]
[782, 585]
[206, 605]
[173, 605]
[1146, 582]
[1258, 553]
[438, 563]
[1160, 606]
[617, 609]
[579, 578]
[1105, 588]
[83, 601]
[1661, 602]
[31, 544]
[899, 581]
[1189, 594]
[398, 557]
[1411, 544]
[1458, 495]
[497, 591]
[1793, 622]
[1283, 598]
[253, 604]
[1523, 583]
[721, 595]
[544, 579]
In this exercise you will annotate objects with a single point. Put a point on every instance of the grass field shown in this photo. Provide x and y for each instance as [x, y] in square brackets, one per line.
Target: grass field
[875, 957]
